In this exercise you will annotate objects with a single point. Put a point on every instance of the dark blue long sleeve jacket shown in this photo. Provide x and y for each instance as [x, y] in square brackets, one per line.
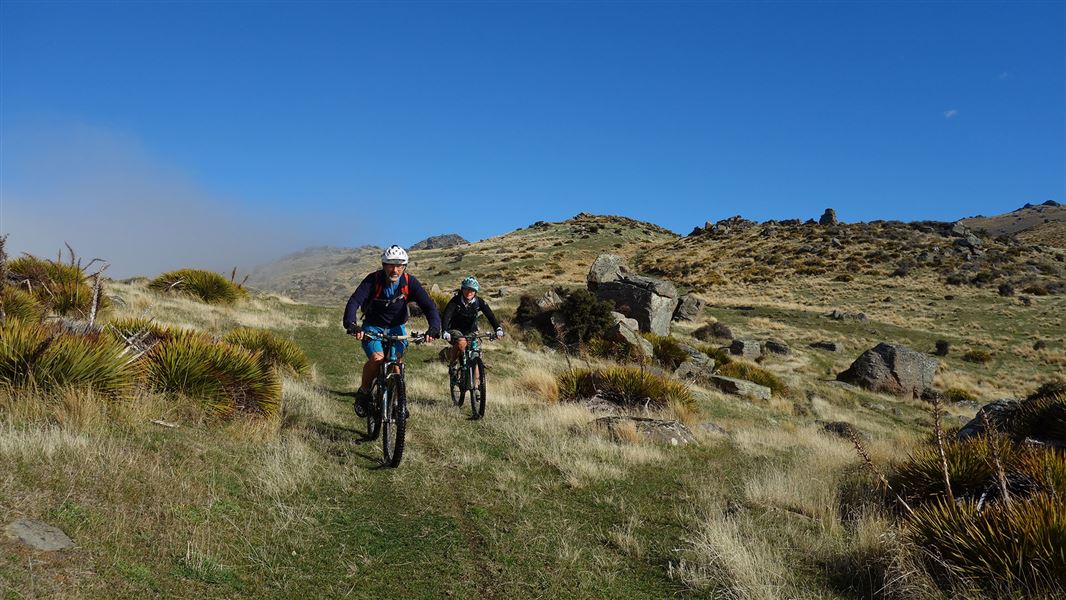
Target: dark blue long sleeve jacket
[383, 313]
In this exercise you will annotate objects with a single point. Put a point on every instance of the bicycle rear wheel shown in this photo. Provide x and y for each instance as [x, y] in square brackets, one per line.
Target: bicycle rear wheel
[453, 384]
[394, 422]
[477, 395]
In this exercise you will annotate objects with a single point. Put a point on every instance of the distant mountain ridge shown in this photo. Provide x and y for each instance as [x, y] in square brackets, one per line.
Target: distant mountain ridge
[436, 242]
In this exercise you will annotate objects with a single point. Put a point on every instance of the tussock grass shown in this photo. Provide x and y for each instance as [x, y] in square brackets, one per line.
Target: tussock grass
[226, 378]
[667, 350]
[61, 288]
[40, 357]
[208, 286]
[1005, 548]
[441, 299]
[275, 352]
[627, 386]
[540, 383]
[20, 304]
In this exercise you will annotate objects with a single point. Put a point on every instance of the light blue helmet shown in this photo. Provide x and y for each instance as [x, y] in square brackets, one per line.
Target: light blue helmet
[471, 283]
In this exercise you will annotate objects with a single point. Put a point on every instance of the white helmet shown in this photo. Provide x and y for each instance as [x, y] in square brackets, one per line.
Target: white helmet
[395, 255]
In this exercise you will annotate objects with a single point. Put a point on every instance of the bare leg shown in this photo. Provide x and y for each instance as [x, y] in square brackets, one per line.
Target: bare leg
[371, 368]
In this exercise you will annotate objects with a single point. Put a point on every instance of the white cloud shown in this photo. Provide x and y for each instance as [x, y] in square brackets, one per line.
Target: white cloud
[951, 114]
[109, 197]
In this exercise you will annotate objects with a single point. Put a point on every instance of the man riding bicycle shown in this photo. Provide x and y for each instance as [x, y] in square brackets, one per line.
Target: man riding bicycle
[461, 314]
[383, 297]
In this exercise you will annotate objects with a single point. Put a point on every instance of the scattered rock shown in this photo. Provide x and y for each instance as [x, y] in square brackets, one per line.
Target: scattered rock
[741, 387]
[621, 332]
[688, 308]
[828, 346]
[892, 368]
[776, 347]
[551, 300]
[695, 370]
[843, 429]
[501, 291]
[714, 330]
[712, 428]
[624, 428]
[839, 315]
[39, 535]
[999, 413]
[745, 348]
[829, 217]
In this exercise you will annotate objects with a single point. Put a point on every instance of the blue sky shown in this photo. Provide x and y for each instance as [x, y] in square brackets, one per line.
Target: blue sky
[187, 131]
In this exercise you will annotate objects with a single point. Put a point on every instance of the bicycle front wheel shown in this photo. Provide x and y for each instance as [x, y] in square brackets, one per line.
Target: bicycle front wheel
[394, 422]
[477, 394]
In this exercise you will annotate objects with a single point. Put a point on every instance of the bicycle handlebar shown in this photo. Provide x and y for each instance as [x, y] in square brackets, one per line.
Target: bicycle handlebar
[415, 337]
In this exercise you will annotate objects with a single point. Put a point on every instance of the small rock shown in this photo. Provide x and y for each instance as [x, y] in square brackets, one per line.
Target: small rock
[39, 535]
[741, 387]
[712, 428]
[749, 349]
[689, 307]
[776, 347]
[696, 371]
[843, 429]
[621, 429]
[828, 346]
[839, 315]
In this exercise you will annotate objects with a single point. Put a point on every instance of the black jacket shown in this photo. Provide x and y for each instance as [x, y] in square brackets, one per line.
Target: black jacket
[463, 317]
[381, 313]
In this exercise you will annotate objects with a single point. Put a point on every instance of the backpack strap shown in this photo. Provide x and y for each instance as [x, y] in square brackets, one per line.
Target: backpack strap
[379, 287]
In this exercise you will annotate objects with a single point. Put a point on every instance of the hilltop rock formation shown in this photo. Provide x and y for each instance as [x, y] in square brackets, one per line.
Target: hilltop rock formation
[893, 369]
[436, 242]
[649, 300]
[829, 217]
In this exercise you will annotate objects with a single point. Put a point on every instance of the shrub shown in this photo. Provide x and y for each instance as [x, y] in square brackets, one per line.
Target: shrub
[667, 350]
[147, 331]
[227, 379]
[1037, 290]
[527, 310]
[20, 304]
[441, 299]
[61, 288]
[977, 356]
[721, 356]
[1040, 417]
[42, 357]
[208, 286]
[713, 330]
[626, 386]
[1004, 548]
[740, 369]
[960, 395]
[843, 278]
[1006, 289]
[586, 316]
[943, 347]
[278, 353]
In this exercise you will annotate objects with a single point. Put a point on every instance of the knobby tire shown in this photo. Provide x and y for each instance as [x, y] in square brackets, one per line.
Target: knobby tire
[394, 422]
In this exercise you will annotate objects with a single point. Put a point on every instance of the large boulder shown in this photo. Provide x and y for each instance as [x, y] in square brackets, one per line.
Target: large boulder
[741, 387]
[551, 300]
[606, 267]
[893, 369]
[998, 412]
[649, 300]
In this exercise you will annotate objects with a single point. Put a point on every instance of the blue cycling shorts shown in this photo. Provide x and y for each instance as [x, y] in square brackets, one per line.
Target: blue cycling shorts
[378, 346]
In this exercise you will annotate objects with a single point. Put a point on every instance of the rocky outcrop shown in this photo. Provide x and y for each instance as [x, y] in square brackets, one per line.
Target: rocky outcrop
[893, 369]
[829, 217]
[436, 242]
[649, 300]
[625, 331]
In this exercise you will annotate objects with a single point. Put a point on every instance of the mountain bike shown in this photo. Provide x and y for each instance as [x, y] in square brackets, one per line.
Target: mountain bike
[387, 415]
[462, 379]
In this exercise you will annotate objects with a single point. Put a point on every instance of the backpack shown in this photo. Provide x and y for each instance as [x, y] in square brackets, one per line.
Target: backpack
[379, 288]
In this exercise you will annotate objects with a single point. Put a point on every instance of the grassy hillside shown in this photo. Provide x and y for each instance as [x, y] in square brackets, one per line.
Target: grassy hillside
[527, 503]
[539, 255]
[1035, 224]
